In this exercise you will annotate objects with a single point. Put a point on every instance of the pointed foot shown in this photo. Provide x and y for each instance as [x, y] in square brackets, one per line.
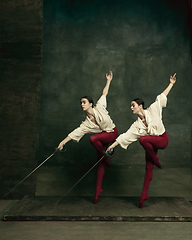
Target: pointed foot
[96, 197]
[142, 200]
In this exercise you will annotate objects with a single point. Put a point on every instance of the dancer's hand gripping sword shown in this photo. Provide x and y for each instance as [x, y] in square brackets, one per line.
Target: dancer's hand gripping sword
[108, 153]
[56, 150]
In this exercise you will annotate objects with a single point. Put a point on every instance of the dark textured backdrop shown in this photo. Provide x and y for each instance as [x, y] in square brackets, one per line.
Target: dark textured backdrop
[21, 28]
[143, 43]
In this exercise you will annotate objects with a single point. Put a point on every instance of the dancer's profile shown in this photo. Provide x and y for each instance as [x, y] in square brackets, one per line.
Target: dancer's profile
[99, 123]
[150, 131]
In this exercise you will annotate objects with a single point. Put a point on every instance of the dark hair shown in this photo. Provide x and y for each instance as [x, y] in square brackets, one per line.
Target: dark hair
[139, 101]
[89, 99]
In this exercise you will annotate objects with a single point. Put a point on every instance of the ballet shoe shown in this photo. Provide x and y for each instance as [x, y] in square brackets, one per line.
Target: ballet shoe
[96, 197]
[142, 200]
[156, 162]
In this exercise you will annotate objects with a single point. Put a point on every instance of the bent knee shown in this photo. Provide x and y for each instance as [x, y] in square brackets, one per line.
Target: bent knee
[92, 138]
[142, 140]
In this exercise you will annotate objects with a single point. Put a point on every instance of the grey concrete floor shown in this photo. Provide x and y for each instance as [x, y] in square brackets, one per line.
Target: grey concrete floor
[57, 230]
[168, 181]
[156, 209]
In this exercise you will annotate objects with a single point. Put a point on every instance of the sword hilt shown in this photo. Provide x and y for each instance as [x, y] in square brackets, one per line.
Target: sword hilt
[109, 153]
[64, 149]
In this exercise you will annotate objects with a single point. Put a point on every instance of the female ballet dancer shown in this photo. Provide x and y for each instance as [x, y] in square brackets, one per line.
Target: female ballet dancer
[150, 130]
[97, 121]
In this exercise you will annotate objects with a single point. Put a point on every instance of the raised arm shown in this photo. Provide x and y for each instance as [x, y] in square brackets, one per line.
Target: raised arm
[172, 82]
[109, 79]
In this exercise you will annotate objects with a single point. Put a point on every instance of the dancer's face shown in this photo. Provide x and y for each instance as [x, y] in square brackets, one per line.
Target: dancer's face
[135, 108]
[85, 104]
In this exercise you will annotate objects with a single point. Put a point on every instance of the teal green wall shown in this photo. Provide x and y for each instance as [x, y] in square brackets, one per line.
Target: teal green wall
[143, 43]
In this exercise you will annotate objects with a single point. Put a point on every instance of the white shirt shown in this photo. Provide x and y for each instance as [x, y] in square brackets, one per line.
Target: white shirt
[105, 124]
[153, 116]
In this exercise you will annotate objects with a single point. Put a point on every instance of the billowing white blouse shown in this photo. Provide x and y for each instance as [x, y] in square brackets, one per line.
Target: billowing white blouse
[153, 116]
[104, 122]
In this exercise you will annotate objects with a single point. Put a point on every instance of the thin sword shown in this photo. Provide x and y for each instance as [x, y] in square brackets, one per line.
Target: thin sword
[84, 176]
[32, 172]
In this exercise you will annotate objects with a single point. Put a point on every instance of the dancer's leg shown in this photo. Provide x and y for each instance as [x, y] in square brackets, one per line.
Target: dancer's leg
[150, 142]
[100, 174]
[147, 180]
[104, 138]
[100, 142]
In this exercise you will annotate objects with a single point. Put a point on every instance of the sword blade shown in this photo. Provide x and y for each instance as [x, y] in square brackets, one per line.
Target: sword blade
[80, 179]
[31, 172]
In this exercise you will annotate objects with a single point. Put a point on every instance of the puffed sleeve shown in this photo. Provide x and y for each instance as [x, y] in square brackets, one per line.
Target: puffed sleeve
[102, 102]
[79, 132]
[156, 107]
[162, 100]
[128, 137]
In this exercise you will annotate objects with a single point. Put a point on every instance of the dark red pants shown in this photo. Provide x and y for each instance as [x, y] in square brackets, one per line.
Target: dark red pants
[101, 141]
[151, 144]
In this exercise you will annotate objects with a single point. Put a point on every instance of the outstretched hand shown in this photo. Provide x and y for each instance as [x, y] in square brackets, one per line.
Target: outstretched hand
[60, 146]
[173, 79]
[109, 76]
[109, 149]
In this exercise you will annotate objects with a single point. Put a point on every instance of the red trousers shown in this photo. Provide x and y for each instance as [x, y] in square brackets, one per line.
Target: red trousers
[101, 141]
[151, 144]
